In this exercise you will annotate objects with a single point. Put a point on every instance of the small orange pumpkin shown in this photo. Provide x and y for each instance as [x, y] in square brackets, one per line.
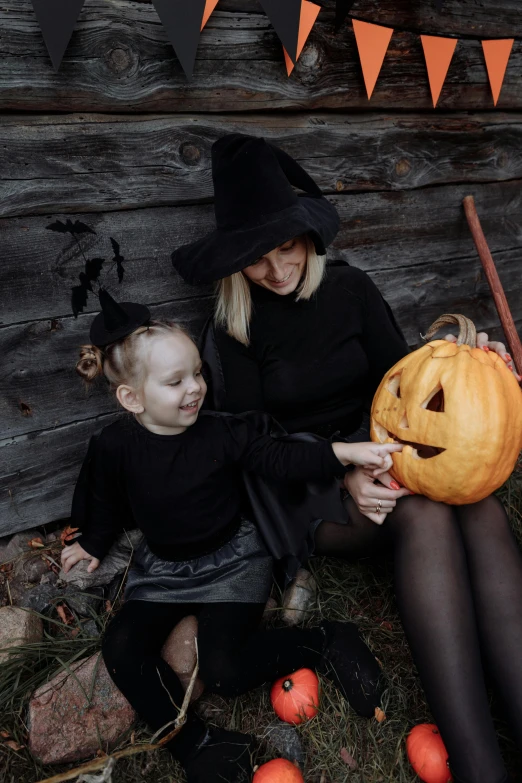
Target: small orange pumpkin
[427, 754]
[278, 771]
[295, 699]
[458, 411]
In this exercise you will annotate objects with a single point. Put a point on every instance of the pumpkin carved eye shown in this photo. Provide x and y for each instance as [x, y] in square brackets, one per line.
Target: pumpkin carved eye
[435, 401]
[394, 385]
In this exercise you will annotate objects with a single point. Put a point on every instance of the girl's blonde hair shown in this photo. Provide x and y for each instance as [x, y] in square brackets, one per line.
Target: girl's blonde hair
[122, 362]
[234, 300]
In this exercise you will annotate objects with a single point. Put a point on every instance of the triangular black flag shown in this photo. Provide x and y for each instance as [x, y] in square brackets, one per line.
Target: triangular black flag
[182, 20]
[285, 16]
[57, 19]
[342, 9]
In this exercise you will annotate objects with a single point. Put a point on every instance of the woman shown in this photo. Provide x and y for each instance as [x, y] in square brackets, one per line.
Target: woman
[309, 346]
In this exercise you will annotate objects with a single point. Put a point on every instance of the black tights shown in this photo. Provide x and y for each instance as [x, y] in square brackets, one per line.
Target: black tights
[234, 657]
[458, 581]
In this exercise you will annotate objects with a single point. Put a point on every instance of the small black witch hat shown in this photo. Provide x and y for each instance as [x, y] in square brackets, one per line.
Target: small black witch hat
[116, 320]
[257, 209]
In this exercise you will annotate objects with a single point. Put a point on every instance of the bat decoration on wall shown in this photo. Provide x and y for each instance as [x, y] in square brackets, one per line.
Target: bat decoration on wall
[118, 259]
[93, 266]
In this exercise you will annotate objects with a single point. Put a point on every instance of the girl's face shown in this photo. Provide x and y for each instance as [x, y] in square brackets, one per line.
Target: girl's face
[280, 270]
[173, 391]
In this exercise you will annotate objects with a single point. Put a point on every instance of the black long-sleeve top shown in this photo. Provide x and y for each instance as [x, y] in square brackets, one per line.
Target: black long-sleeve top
[185, 491]
[313, 365]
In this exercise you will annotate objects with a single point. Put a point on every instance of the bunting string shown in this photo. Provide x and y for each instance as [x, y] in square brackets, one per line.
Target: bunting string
[293, 21]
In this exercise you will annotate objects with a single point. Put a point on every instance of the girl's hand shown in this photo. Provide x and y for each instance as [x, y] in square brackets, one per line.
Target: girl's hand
[486, 344]
[374, 500]
[372, 456]
[73, 554]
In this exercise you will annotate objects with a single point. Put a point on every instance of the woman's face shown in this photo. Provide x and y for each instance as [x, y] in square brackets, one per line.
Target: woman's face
[281, 269]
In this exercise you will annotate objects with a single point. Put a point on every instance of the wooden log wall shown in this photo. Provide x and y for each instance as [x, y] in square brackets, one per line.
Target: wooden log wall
[119, 140]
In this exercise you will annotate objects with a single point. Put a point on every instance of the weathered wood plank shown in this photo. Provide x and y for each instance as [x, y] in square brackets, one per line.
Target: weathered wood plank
[381, 230]
[39, 472]
[119, 59]
[93, 163]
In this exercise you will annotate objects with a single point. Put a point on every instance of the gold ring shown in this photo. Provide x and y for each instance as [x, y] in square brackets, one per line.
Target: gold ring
[378, 507]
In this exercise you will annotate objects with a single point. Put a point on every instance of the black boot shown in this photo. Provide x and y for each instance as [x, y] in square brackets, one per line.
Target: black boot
[221, 757]
[352, 667]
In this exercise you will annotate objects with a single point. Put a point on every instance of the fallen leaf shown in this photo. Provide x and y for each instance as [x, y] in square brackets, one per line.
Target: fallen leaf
[13, 745]
[4, 734]
[65, 614]
[67, 533]
[380, 716]
[108, 606]
[348, 759]
[36, 543]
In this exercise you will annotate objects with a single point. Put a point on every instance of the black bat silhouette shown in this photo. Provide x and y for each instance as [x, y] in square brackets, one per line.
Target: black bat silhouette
[118, 258]
[79, 294]
[70, 228]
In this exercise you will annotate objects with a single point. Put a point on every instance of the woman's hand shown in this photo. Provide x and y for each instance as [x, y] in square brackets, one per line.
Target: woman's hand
[486, 344]
[375, 457]
[73, 554]
[373, 500]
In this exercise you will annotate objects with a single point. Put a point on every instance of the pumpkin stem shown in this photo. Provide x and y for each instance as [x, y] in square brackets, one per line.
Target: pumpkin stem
[287, 685]
[467, 331]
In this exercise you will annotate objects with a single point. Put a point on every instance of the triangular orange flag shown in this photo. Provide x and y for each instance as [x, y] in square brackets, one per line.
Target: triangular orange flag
[372, 43]
[497, 55]
[309, 14]
[209, 9]
[438, 53]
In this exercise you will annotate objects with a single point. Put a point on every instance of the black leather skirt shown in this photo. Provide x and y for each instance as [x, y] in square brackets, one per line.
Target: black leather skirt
[239, 571]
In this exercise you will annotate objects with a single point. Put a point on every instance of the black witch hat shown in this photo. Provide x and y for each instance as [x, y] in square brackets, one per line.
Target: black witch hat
[256, 209]
[116, 320]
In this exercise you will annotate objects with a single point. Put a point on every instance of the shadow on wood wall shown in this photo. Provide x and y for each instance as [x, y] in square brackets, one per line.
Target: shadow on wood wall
[119, 140]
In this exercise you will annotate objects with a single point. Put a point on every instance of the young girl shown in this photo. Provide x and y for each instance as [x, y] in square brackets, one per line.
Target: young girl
[175, 474]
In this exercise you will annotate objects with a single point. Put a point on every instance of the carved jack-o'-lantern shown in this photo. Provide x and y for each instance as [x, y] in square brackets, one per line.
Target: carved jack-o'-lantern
[458, 410]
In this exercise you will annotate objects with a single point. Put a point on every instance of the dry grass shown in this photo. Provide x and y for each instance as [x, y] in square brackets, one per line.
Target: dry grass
[358, 592]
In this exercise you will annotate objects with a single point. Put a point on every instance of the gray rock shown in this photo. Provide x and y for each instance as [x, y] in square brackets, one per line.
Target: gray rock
[4, 543]
[30, 569]
[18, 544]
[17, 627]
[40, 598]
[299, 598]
[115, 562]
[50, 578]
[91, 629]
[84, 604]
[285, 739]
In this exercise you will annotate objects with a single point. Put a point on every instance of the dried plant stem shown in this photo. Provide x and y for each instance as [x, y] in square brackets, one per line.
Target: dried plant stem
[501, 303]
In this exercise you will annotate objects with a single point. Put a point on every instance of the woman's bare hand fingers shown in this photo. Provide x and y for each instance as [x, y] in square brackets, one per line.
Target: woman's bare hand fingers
[450, 338]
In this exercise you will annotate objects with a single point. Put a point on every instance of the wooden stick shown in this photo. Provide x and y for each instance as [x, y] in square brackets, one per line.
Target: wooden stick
[501, 303]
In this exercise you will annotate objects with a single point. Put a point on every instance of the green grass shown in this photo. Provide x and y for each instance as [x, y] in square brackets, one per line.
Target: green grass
[360, 592]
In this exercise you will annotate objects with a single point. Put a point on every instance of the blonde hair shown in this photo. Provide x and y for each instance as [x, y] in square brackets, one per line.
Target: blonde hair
[121, 362]
[234, 299]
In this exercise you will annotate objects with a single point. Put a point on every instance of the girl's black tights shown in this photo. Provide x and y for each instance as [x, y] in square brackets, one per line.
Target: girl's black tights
[458, 581]
[234, 657]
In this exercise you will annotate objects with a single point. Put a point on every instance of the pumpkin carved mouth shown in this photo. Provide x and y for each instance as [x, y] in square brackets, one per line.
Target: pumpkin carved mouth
[420, 450]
